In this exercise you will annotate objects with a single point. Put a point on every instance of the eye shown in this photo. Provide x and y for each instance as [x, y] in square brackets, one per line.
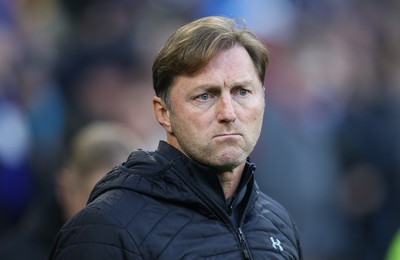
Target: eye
[204, 96]
[243, 92]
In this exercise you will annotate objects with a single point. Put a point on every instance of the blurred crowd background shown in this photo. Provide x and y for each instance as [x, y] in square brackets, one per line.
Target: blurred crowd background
[330, 146]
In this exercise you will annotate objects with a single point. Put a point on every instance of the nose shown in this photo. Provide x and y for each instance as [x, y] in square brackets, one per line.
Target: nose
[225, 111]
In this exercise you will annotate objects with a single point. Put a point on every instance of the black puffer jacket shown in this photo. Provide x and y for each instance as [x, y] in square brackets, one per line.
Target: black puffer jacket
[161, 205]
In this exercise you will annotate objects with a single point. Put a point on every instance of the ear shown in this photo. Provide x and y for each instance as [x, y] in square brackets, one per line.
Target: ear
[161, 112]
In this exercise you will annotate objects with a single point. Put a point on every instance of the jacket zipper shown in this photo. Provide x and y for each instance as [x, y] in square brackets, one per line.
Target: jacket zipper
[243, 244]
[224, 216]
[242, 240]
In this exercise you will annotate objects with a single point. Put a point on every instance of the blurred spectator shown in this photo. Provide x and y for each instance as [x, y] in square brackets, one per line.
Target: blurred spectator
[15, 177]
[369, 192]
[31, 107]
[94, 151]
[102, 62]
[297, 150]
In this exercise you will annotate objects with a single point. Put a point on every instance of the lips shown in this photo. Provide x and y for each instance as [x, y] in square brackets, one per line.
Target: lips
[228, 135]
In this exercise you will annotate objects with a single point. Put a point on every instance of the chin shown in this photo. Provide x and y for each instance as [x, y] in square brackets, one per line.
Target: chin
[229, 163]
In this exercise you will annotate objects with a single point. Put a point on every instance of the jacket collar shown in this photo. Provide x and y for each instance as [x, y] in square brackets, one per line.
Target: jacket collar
[206, 177]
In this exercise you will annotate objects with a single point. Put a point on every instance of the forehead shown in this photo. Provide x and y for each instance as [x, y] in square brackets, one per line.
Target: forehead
[228, 67]
[234, 59]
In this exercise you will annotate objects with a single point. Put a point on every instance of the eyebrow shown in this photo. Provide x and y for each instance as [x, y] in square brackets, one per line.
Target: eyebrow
[235, 84]
[244, 83]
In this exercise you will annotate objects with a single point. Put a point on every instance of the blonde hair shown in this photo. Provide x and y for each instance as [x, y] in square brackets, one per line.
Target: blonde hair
[99, 145]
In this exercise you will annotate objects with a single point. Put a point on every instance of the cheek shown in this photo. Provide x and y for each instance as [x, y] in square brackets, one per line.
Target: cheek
[261, 114]
[181, 124]
[192, 119]
[257, 112]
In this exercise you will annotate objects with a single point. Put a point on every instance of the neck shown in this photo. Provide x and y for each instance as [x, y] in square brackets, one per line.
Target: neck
[230, 180]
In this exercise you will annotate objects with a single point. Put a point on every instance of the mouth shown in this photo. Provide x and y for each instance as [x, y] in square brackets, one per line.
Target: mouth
[228, 135]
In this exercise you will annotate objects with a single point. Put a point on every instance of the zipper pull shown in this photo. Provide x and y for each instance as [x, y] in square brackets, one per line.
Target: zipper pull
[243, 244]
[230, 209]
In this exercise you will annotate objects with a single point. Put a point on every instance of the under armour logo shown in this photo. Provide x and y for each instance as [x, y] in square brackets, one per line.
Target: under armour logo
[276, 243]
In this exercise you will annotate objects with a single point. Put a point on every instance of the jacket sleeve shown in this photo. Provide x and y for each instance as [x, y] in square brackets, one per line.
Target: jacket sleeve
[91, 234]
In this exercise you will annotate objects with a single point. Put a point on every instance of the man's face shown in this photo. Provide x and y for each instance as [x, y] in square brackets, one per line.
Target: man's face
[216, 114]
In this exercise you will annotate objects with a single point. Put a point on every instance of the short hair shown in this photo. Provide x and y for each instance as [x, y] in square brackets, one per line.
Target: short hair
[98, 145]
[194, 45]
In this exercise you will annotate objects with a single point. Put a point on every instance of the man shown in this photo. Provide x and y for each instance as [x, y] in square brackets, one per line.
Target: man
[95, 149]
[195, 196]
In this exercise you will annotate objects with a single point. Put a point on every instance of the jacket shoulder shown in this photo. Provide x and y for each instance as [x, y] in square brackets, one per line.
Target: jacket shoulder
[95, 233]
[273, 209]
[280, 220]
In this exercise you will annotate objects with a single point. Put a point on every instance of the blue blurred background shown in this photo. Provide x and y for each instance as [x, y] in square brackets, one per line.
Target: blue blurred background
[329, 151]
